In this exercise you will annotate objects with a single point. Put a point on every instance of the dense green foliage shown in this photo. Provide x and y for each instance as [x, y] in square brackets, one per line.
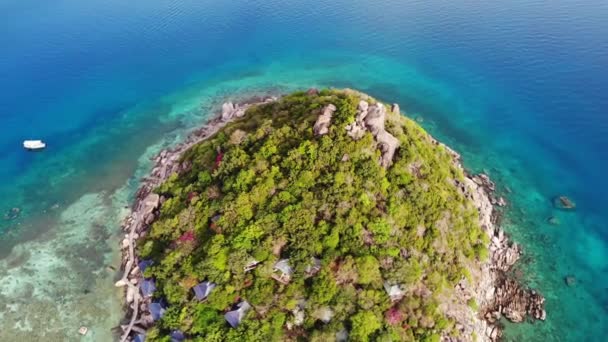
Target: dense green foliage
[280, 192]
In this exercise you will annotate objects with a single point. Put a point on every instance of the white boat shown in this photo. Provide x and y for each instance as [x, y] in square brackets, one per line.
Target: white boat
[34, 144]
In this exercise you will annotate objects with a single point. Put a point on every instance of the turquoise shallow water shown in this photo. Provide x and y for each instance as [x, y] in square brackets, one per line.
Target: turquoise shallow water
[517, 86]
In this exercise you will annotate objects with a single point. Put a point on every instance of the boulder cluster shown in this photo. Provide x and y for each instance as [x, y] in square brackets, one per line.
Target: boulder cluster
[498, 292]
[511, 299]
[231, 110]
[370, 118]
[485, 181]
[321, 126]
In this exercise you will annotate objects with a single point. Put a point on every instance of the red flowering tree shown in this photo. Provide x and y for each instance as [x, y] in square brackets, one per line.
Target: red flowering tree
[187, 237]
[393, 316]
[218, 160]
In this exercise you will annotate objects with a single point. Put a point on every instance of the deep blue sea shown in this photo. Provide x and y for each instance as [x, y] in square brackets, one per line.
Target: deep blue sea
[519, 87]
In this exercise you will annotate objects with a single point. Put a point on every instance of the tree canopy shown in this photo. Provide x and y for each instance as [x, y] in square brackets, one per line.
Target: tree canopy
[280, 192]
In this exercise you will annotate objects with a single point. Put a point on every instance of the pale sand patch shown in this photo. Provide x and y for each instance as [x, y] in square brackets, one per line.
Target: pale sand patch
[51, 286]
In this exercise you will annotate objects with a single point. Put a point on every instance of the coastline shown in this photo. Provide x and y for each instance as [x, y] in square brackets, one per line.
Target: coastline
[494, 291]
[146, 202]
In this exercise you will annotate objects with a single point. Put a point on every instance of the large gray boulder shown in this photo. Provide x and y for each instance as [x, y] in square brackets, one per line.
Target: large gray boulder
[321, 126]
[374, 120]
[150, 203]
[363, 107]
[395, 109]
[227, 111]
[357, 129]
[388, 144]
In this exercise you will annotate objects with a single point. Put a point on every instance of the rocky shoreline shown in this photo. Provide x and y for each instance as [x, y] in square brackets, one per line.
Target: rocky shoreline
[145, 210]
[495, 292]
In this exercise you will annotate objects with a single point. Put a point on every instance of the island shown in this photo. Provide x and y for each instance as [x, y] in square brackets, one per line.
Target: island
[322, 215]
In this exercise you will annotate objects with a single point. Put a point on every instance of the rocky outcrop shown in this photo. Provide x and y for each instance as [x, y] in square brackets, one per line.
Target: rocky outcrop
[149, 204]
[515, 302]
[230, 111]
[145, 211]
[372, 118]
[395, 109]
[484, 181]
[495, 290]
[375, 118]
[357, 129]
[388, 144]
[510, 298]
[324, 120]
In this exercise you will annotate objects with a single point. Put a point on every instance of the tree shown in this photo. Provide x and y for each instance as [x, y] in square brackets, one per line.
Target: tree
[369, 270]
[265, 188]
[364, 324]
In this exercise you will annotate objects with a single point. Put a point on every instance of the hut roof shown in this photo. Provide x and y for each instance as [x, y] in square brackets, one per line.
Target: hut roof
[235, 317]
[251, 264]
[177, 336]
[283, 266]
[157, 310]
[202, 290]
[144, 264]
[148, 286]
[394, 291]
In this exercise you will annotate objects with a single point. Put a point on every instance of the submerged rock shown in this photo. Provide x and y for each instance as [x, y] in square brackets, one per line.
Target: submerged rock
[570, 280]
[12, 214]
[564, 203]
[501, 202]
[553, 221]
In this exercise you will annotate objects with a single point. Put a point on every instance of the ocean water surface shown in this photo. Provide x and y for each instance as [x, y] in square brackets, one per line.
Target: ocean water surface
[519, 87]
